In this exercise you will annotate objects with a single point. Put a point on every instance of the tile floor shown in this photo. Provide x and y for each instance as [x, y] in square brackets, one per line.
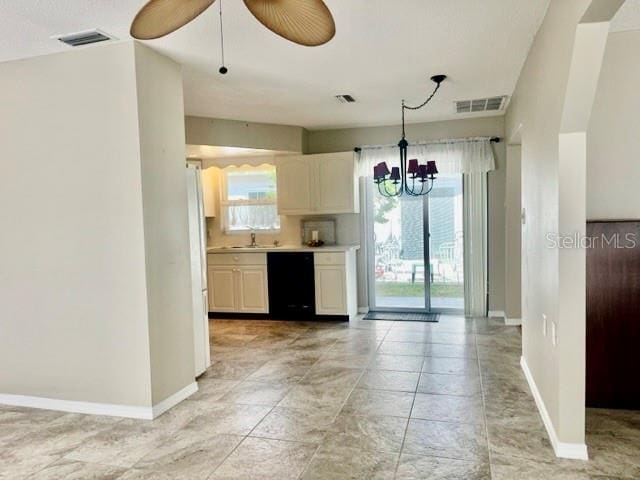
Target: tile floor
[368, 400]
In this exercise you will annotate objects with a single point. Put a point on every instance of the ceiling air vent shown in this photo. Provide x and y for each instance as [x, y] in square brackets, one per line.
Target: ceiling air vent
[84, 38]
[491, 104]
[345, 99]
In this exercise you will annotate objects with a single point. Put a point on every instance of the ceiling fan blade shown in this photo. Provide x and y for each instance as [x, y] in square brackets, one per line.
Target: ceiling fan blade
[158, 18]
[306, 22]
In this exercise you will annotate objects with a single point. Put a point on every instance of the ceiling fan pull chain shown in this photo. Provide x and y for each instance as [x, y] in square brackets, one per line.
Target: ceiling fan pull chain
[223, 69]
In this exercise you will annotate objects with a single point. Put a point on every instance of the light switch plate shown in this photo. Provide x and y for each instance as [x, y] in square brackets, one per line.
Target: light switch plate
[554, 334]
[544, 324]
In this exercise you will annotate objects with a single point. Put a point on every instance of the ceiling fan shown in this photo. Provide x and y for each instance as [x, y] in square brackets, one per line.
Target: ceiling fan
[305, 22]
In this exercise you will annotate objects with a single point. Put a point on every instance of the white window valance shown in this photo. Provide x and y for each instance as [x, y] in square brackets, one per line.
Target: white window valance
[465, 155]
[252, 161]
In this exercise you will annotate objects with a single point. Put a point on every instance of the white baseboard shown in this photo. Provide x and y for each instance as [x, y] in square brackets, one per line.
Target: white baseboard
[513, 322]
[576, 451]
[93, 408]
[363, 309]
[496, 313]
[174, 399]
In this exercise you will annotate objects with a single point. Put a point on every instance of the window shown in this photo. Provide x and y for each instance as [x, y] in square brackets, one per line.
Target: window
[249, 199]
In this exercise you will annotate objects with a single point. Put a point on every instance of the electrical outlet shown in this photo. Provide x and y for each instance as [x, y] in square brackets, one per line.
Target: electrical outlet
[544, 324]
[554, 334]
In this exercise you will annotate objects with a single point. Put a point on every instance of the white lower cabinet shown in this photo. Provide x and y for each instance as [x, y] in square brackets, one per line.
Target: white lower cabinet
[252, 295]
[221, 289]
[336, 283]
[238, 283]
[331, 294]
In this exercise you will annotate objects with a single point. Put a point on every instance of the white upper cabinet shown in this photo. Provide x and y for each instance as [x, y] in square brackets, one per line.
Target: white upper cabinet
[317, 184]
[336, 183]
[294, 177]
[210, 190]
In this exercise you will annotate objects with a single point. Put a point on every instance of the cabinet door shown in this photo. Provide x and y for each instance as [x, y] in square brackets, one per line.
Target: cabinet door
[335, 183]
[210, 191]
[331, 290]
[294, 176]
[221, 289]
[252, 293]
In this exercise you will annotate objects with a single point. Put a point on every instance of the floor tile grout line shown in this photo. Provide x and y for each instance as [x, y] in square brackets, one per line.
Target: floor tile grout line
[260, 421]
[484, 411]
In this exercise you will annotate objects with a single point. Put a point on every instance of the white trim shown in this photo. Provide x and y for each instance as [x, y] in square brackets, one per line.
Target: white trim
[363, 310]
[513, 322]
[576, 451]
[93, 408]
[169, 402]
[72, 406]
[497, 313]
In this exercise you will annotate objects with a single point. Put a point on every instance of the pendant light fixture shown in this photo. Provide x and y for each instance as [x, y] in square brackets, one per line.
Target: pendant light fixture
[410, 178]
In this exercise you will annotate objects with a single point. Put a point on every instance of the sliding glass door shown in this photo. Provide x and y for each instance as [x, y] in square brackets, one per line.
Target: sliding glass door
[416, 256]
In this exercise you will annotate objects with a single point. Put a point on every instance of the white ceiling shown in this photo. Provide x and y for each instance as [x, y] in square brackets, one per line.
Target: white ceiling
[384, 50]
[627, 18]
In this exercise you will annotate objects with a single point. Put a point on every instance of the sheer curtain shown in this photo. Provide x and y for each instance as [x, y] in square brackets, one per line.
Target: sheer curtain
[473, 158]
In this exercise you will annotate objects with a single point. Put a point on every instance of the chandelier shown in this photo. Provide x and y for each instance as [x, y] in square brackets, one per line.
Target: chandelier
[410, 178]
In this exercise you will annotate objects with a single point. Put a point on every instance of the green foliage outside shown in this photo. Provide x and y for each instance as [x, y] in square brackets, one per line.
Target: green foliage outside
[408, 289]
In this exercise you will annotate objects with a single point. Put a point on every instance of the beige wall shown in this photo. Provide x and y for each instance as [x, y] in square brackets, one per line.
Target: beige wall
[324, 141]
[513, 237]
[164, 197]
[613, 168]
[551, 107]
[233, 133]
[79, 274]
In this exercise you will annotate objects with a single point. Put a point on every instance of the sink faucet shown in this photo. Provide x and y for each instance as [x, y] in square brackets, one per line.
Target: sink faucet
[253, 239]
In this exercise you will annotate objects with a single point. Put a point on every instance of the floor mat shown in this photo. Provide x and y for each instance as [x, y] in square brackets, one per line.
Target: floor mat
[402, 316]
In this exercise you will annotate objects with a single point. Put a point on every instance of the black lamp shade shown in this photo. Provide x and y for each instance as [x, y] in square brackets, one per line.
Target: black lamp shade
[431, 167]
[413, 167]
[395, 174]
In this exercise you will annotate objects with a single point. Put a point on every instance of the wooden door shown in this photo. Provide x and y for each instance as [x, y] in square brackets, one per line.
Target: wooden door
[613, 311]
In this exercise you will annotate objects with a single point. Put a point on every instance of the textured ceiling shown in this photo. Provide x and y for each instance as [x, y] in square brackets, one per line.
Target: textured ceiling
[628, 17]
[384, 51]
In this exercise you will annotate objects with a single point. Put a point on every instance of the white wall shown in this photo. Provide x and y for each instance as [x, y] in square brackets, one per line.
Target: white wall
[613, 168]
[551, 108]
[513, 237]
[164, 197]
[79, 282]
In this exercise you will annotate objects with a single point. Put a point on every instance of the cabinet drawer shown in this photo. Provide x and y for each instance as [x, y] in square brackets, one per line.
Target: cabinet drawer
[237, 258]
[329, 258]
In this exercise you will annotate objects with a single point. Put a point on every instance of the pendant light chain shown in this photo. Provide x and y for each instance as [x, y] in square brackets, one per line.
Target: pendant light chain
[223, 69]
[395, 182]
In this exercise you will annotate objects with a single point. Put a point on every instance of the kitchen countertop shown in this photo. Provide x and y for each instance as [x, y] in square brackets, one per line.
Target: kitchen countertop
[284, 248]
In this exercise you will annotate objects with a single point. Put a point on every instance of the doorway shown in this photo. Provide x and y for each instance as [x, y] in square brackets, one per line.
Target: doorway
[417, 257]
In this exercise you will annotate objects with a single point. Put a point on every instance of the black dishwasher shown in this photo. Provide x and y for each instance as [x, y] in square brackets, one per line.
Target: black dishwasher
[291, 285]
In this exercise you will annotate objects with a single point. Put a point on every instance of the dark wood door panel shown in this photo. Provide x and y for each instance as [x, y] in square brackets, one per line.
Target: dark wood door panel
[613, 315]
